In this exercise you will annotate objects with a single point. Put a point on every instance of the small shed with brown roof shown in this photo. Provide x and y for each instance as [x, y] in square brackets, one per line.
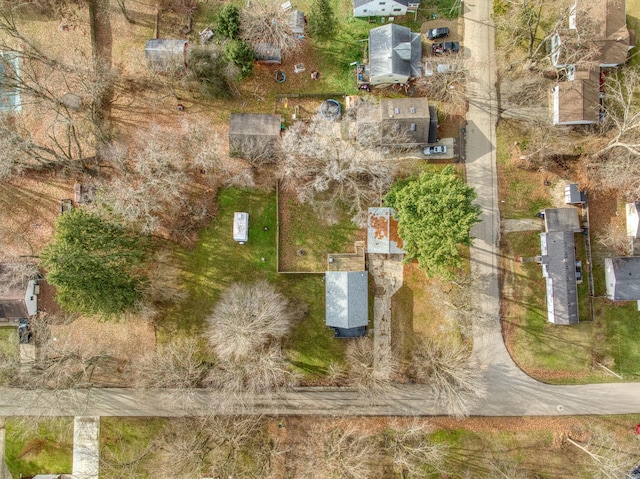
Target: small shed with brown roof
[382, 232]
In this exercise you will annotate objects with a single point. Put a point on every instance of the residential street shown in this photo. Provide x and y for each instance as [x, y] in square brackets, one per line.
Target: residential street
[510, 392]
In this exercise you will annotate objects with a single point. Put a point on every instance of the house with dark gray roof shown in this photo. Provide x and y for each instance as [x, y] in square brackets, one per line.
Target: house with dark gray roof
[622, 277]
[382, 8]
[561, 219]
[558, 260]
[347, 303]
[382, 232]
[19, 302]
[253, 133]
[397, 121]
[395, 54]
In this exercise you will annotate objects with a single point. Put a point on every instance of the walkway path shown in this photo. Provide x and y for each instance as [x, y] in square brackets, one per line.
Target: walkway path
[387, 273]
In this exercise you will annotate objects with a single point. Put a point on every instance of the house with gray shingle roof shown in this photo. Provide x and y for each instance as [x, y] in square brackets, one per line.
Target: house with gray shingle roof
[558, 260]
[347, 302]
[395, 54]
[622, 277]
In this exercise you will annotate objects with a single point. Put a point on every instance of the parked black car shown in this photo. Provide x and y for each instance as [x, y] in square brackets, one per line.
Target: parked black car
[24, 331]
[437, 33]
[445, 47]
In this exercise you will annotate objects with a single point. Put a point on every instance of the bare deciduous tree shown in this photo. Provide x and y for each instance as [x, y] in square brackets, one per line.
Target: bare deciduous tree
[372, 381]
[454, 379]
[15, 274]
[611, 457]
[246, 319]
[218, 446]
[616, 163]
[265, 21]
[339, 452]
[179, 365]
[267, 370]
[327, 170]
[448, 87]
[413, 453]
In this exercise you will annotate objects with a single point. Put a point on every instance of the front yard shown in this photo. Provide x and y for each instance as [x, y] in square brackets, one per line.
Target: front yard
[553, 353]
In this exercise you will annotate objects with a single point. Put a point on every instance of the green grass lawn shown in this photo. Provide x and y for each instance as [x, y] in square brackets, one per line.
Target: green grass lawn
[126, 445]
[305, 240]
[39, 448]
[521, 192]
[216, 262]
[9, 341]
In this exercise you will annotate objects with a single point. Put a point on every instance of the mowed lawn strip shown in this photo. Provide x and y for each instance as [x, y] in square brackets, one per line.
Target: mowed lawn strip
[39, 446]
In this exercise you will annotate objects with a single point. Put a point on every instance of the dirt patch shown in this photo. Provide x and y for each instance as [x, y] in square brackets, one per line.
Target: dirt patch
[29, 208]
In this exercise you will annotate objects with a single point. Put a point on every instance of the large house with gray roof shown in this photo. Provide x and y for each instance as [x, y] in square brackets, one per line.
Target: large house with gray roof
[347, 302]
[558, 260]
[622, 277]
[395, 54]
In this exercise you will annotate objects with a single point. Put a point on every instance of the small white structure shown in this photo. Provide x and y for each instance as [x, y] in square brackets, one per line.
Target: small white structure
[241, 227]
[382, 8]
[633, 219]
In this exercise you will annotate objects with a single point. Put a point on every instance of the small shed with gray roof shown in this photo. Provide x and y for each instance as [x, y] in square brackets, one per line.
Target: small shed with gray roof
[347, 302]
[166, 55]
[622, 277]
[253, 132]
[382, 232]
[395, 53]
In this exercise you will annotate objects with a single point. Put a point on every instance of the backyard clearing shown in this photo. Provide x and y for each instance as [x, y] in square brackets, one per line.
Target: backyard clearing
[29, 207]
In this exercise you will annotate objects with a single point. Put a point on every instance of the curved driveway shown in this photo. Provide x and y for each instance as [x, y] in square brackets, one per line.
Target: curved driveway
[509, 391]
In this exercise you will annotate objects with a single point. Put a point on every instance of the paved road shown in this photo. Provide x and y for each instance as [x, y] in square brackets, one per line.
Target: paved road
[509, 391]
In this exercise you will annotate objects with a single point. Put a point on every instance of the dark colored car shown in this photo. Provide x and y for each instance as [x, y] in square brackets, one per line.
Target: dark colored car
[445, 47]
[24, 331]
[437, 33]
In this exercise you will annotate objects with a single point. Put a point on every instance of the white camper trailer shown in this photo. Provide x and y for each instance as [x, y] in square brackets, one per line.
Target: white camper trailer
[241, 227]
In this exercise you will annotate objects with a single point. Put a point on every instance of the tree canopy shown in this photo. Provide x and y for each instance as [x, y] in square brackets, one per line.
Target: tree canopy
[229, 22]
[435, 214]
[322, 21]
[96, 266]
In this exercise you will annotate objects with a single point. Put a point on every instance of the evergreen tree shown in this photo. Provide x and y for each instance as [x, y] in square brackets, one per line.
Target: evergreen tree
[95, 266]
[241, 54]
[322, 21]
[435, 214]
[229, 22]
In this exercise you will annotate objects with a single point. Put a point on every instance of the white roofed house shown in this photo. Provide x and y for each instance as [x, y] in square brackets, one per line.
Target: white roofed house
[383, 8]
[633, 219]
[347, 303]
[395, 55]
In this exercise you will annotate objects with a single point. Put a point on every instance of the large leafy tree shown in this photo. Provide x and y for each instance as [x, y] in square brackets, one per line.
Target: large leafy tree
[435, 214]
[95, 265]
